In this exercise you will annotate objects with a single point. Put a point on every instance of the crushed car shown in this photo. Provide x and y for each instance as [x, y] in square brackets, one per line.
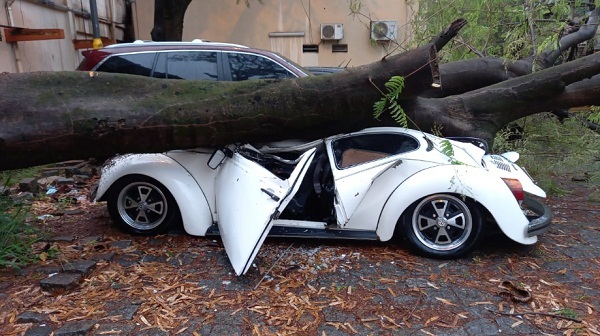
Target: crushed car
[373, 184]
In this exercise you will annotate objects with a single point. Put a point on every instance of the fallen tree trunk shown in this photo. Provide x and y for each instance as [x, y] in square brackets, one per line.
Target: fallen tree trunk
[67, 115]
[51, 117]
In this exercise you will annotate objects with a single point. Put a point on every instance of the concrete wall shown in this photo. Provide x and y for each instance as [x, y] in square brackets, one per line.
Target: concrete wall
[70, 15]
[225, 21]
[215, 20]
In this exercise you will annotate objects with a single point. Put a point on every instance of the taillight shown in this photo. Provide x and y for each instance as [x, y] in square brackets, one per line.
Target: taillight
[515, 187]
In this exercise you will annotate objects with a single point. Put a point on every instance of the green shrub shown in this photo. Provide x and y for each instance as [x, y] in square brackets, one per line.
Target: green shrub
[550, 149]
[16, 236]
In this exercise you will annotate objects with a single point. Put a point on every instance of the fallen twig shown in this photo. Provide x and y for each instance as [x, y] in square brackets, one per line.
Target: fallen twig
[536, 313]
[272, 266]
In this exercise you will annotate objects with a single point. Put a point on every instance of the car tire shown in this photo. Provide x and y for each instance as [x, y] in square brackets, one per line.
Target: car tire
[141, 205]
[452, 236]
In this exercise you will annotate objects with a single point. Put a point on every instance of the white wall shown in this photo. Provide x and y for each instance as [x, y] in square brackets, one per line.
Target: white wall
[224, 21]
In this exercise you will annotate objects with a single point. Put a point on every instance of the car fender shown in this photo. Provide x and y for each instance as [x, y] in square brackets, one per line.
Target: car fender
[191, 200]
[473, 182]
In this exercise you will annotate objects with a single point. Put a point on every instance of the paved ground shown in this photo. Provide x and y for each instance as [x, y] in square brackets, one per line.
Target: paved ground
[115, 284]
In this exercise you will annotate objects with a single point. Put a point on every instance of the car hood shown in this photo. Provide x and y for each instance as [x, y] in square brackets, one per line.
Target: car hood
[462, 153]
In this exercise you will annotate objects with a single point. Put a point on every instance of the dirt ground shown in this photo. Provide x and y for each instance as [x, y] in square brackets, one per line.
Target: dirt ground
[181, 285]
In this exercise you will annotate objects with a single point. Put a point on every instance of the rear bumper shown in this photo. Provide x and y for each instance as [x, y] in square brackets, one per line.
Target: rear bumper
[540, 222]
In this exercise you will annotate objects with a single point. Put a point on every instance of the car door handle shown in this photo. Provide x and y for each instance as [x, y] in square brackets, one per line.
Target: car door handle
[271, 194]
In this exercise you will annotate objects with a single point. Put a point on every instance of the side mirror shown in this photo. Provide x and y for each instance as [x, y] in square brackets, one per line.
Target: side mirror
[217, 157]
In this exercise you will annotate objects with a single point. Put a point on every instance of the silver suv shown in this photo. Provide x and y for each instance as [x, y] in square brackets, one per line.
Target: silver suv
[196, 60]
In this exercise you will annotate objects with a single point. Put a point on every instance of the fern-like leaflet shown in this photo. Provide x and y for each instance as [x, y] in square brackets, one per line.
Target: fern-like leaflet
[448, 150]
[389, 101]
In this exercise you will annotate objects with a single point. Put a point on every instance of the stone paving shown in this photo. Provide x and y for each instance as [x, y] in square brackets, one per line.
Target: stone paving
[341, 288]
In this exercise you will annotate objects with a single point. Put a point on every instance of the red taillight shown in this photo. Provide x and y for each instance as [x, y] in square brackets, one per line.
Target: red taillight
[515, 187]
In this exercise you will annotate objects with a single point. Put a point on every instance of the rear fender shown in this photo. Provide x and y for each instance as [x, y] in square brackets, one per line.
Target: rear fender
[191, 200]
[488, 190]
[504, 166]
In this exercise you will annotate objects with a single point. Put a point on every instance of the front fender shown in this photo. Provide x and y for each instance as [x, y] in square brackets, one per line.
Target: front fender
[191, 200]
[486, 189]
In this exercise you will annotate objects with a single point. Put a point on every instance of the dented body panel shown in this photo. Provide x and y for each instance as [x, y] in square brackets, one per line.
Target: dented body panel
[364, 185]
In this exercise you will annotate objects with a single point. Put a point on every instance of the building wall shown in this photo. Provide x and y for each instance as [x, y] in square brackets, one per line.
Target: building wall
[70, 15]
[215, 20]
[226, 21]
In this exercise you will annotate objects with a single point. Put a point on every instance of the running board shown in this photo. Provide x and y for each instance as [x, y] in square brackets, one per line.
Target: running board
[296, 232]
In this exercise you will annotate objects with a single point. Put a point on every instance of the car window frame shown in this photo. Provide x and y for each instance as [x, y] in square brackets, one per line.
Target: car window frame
[220, 72]
[107, 58]
[337, 157]
[227, 65]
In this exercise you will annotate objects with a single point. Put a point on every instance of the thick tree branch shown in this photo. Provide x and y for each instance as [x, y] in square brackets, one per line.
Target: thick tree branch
[448, 34]
[484, 111]
[584, 33]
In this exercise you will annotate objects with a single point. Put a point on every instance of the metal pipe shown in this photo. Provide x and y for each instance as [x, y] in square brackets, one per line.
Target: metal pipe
[15, 45]
[97, 42]
[113, 15]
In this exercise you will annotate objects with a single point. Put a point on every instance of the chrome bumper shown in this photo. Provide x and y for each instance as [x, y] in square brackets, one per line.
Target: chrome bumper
[539, 223]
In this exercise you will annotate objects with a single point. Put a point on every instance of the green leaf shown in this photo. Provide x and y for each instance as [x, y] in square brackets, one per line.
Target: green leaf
[389, 101]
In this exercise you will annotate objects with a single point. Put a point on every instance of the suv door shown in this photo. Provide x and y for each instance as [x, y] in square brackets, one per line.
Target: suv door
[188, 64]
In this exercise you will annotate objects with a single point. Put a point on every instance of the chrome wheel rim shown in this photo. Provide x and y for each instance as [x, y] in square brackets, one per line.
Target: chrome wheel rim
[142, 205]
[442, 222]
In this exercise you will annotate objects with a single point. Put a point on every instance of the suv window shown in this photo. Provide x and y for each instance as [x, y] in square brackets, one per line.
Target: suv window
[196, 65]
[249, 66]
[133, 64]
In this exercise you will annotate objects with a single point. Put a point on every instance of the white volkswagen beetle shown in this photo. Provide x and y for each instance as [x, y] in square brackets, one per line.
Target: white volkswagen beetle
[372, 184]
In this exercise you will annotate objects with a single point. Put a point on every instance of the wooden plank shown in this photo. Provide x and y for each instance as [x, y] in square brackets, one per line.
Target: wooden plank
[28, 34]
[87, 44]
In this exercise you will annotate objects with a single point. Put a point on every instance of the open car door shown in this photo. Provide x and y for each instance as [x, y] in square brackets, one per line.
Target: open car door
[248, 198]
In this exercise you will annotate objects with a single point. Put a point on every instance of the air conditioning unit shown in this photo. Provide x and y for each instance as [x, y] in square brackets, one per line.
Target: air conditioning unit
[332, 31]
[384, 30]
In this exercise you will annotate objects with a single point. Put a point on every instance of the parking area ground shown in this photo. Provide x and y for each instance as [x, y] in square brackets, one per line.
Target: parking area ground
[117, 284]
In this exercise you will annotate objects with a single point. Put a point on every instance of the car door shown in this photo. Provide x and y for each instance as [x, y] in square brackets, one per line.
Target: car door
[248, 198]
[357, 160]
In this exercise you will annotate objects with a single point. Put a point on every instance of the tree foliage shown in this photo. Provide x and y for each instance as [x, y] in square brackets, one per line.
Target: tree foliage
[510, 29]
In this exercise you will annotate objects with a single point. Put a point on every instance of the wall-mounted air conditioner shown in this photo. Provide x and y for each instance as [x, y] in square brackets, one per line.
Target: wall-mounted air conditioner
[384, 30]
[332, 31]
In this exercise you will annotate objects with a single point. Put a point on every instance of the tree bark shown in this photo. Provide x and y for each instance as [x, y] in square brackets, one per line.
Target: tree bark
[448, 34]
[168, 19]
[52, 117]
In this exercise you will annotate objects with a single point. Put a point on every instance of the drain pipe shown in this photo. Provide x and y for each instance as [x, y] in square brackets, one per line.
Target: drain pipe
[97, 42]
[15, 45]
